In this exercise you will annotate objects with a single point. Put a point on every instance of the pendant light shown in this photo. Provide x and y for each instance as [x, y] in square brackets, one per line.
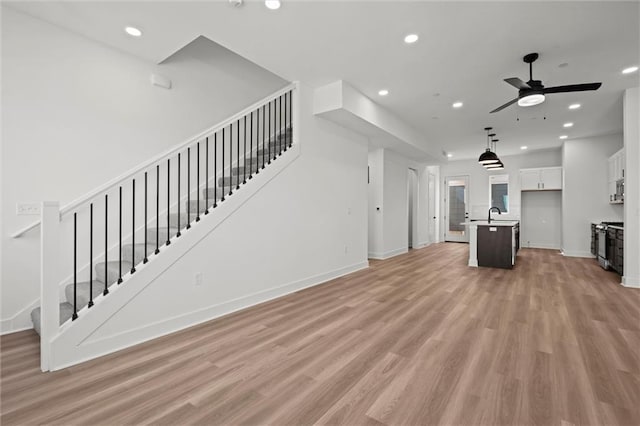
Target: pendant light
[494, 166]
[488, 157]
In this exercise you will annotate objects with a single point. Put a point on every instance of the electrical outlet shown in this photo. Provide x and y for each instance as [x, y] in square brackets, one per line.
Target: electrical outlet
[346, 249]
[27, 209]
[199, 279]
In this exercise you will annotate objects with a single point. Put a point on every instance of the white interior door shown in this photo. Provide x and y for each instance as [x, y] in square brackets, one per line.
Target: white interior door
[456, 208]
[432, 208]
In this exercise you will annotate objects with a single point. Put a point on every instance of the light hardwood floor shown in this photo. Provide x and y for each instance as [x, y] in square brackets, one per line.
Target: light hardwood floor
[419, 339]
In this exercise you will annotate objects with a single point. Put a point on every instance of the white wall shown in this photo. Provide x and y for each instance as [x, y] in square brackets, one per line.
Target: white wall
[632, 188]
[585, 198]
[388, 227]
[310, 221]
[375, 202]
[396, 211]
[541, 219]
[479, 182]
[76, 114]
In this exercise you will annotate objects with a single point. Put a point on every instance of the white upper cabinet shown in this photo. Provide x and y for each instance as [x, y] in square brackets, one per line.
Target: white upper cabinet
[616, 166]
[543, 179]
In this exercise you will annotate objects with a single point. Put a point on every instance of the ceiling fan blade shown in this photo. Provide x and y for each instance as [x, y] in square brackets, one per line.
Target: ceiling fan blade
[500, 108]
[517, 83]
[573, 88]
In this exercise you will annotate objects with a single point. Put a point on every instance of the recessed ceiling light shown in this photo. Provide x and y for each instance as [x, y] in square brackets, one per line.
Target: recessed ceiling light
[457, 104]
[383, 92]
[411, 38]
[574, 106]
[564, 137]
[133, 31]
[629, 70]
[524, 147]
[449, 155]
[567, 125]
[272, 4]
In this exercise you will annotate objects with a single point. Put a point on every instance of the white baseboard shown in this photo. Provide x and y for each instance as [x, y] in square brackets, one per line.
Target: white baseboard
[388, 254]
[630, 282]
[586, 254]
[158, 329]
[542, 246]
[20, 321]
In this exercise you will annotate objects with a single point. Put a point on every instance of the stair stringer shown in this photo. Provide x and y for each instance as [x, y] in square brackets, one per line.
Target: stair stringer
[72, 346]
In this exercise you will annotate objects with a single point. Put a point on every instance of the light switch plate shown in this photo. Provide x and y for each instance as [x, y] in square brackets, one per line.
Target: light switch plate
[28, 209]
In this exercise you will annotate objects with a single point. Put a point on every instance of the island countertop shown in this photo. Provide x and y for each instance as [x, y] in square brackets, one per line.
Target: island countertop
[493, 223]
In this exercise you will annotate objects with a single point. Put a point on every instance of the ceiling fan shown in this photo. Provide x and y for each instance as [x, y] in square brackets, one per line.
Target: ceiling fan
[533, 92]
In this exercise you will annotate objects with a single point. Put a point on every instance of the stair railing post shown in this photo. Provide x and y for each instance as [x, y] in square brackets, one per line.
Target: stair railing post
[49, 277]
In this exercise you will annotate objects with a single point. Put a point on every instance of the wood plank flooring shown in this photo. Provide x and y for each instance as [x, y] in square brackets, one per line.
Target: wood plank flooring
[420, 339]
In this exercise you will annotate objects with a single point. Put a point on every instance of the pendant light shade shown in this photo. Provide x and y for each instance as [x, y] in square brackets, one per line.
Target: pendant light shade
[497, 165]
[488, 157]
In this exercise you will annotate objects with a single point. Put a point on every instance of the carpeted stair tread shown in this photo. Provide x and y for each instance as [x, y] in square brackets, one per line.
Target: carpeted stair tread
[173, 219]
[162, 235]
[112, 270]
[82, 292]
[128, 249]
[66, 312]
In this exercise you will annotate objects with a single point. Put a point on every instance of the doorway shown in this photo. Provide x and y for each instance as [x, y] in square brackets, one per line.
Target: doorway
[456, 202]
[412, 197]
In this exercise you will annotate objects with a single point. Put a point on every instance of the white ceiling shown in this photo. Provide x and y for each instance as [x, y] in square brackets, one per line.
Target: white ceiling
[464, 52]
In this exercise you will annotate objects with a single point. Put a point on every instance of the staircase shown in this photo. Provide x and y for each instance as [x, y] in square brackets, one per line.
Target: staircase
[132, 254]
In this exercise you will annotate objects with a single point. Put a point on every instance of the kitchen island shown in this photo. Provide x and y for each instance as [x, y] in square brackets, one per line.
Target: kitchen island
[493, 244]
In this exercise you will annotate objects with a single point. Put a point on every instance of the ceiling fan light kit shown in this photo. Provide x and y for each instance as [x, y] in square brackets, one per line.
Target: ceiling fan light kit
[531, 100]
[533, 91]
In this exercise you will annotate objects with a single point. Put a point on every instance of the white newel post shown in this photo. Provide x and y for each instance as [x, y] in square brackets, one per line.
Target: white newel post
[49, 293]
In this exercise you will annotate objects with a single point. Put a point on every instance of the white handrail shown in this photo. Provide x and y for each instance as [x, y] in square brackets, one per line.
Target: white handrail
[103, 188]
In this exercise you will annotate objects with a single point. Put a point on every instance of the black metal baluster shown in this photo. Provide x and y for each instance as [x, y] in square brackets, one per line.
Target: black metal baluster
[275, 131]
[169, 202]
[178, 234]
[231, 159]
[75, 267]
[258, 141]
[269, 135]
[90, 255]
[244, 168]
[188, 188]
[280, 135]
[237, 156]
[157, 209]
[198, 182]
[120, 239]
[251, 147]
[223, 191]
[291, 117]
[285, 121]
[133, 227]
[215, 170]
[206, 174]
[145, 260]
[106, 248]
[264, 148]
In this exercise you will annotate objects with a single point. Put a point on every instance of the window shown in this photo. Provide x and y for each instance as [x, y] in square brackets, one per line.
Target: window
[499, 192]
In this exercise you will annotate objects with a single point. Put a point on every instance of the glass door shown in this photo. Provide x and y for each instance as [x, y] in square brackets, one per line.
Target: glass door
[456, 208]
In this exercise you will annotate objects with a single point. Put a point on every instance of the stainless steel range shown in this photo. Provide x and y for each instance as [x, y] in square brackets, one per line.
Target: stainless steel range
[602, 245]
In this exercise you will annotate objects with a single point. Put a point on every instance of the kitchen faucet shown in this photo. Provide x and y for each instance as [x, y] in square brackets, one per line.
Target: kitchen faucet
[490, 210]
